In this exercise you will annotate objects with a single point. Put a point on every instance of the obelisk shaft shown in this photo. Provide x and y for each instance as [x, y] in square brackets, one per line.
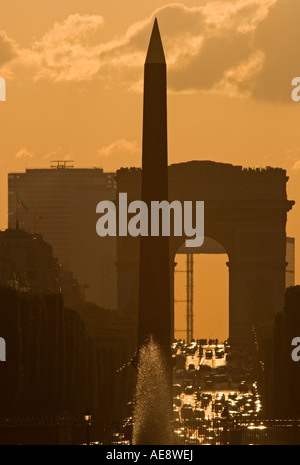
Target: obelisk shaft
[154, 288]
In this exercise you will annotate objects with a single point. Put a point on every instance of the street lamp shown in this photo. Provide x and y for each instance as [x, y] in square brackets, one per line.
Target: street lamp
[88, 417]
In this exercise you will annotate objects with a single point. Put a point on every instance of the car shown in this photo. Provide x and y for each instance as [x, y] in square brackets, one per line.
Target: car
[232, 406]
[189, 390]
[205, 402]
[199, 413]
[173, 350]
[249, 407]
[208, 355]
[177, 390]
[177, 401]
[180, 436]
[197, 395]
[219, 353]
[187, 412]
[186, 405]
[210, 437]
[191, 349]
[241, 400]
[220, 397]
[218, 407]
[243, 386]
[192, 440]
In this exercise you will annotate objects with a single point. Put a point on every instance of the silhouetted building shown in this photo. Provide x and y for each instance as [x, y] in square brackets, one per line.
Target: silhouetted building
[60, 203]
[282, 373]
[290, 260]
[74, 293]
[27, 263]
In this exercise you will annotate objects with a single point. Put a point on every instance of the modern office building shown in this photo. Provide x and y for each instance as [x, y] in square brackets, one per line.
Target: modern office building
[60, 203]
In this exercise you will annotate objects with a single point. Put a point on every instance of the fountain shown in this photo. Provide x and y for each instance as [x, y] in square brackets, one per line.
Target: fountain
[152, 422]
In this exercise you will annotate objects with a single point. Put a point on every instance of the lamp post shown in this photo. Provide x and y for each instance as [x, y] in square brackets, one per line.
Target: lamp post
[88, 417]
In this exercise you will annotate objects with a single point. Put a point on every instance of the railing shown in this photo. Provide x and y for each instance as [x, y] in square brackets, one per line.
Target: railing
[49, 431]
[33, 431]
[271, 432]
[101, 433]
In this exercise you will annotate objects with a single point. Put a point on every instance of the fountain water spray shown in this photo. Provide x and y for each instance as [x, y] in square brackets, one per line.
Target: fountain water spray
[152, 414]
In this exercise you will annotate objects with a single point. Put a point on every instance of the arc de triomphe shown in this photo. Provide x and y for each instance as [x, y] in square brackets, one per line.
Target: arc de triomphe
[245, 216]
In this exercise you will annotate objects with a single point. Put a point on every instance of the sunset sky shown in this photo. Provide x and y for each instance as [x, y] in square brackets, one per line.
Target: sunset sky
[74, 73]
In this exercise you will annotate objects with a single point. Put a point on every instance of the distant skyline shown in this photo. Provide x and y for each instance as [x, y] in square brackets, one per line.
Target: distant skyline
[74, 74]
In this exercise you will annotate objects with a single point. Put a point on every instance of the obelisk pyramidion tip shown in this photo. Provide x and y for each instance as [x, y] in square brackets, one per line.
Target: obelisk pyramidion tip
[155, 52]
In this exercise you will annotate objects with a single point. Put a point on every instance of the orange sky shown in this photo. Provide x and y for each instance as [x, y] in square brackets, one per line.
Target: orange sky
[74, 71]
[211, 284]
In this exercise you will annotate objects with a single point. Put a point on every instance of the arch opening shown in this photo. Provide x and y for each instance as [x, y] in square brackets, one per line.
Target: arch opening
[201, 287]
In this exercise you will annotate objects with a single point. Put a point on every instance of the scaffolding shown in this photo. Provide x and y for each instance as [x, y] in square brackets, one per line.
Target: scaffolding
[61, 164]
[189, 297]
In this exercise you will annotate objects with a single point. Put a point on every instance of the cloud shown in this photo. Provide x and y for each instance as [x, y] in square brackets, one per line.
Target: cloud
[119, 145]
[119, 153]
[8, 48]
[293, 157]
[239, 81]
[214, 50]
[54, 153]
[8, 52]
[64, 53]
[239, 48]
[24, 153]
[279, 39]
[296, 165]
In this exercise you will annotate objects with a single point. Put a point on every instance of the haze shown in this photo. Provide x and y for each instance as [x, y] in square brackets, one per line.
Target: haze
[74, 72]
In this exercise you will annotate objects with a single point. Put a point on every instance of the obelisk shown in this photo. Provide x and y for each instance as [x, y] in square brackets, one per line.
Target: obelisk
[154, 287]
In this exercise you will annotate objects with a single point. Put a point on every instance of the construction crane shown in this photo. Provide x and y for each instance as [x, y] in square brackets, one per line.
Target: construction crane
[189, 297]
